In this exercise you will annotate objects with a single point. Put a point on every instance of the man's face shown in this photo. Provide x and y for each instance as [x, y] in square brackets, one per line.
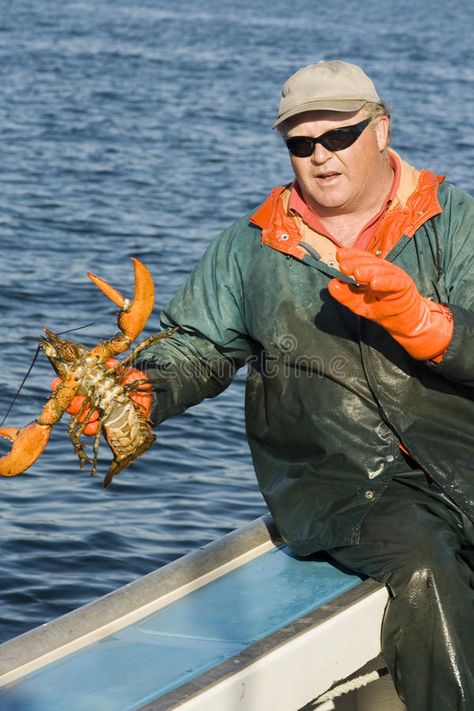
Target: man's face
[342, 182]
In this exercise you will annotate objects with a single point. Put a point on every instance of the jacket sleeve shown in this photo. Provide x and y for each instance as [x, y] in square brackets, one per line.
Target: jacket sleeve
[211, 343]
[457, 223]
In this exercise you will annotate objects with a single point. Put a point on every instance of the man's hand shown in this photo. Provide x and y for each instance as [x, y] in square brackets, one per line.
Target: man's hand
[389, 296]
[143, 396]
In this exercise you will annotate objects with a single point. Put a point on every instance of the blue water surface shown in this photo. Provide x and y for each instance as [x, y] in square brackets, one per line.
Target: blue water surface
[142, 129]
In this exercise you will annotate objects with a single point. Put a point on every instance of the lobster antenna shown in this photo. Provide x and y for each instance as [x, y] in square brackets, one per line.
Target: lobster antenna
[35, 357]
[61, 333]
[21, 384]
[78, 328]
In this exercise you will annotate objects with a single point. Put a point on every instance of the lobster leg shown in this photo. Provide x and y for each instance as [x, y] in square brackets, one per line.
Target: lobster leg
[75, 430]
[132, 316]
[147, 342]
[95, 449]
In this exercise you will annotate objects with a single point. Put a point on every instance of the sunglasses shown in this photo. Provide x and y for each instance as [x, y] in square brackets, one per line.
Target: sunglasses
[335, 140]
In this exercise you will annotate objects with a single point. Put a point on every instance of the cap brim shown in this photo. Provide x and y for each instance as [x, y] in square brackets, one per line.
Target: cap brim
[342, 105]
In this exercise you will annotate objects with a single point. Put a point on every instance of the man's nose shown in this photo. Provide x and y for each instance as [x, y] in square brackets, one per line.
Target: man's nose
[320, 154]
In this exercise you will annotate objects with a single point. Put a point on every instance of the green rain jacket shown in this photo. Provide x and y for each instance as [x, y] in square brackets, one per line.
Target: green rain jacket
[330, 396]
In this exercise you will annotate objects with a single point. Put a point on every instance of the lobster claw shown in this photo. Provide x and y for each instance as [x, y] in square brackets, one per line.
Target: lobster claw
[28, 445]
[133, 315]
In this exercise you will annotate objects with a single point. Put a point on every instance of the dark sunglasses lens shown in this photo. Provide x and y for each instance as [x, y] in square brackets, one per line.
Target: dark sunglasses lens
[336, 140]
[300, 146]
[339, 139]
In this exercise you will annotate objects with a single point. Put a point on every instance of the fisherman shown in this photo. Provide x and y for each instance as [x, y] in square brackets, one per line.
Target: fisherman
[349, 294]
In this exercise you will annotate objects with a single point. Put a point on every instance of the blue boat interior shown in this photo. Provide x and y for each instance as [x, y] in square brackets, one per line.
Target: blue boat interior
[157, 654]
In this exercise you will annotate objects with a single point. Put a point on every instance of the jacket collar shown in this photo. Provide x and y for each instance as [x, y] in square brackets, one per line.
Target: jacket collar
[416, 202]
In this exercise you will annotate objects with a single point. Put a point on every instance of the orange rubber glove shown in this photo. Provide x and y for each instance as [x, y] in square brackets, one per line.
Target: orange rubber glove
[144, 399]
[389, 296]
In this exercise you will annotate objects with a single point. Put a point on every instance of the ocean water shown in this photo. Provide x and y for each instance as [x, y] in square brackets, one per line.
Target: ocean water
[143, 129]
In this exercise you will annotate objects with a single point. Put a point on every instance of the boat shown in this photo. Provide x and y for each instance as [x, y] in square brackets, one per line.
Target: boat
[238, 625]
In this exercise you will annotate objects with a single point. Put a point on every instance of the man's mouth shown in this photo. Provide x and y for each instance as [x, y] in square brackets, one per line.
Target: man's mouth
[327, 177]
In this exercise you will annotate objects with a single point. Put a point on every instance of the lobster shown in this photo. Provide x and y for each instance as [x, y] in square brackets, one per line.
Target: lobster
[96, 376]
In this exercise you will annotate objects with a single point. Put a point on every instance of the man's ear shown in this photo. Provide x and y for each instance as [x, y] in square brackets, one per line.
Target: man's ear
[382, 131]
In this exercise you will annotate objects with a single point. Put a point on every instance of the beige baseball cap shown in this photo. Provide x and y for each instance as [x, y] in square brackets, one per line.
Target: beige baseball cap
[326, 86]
